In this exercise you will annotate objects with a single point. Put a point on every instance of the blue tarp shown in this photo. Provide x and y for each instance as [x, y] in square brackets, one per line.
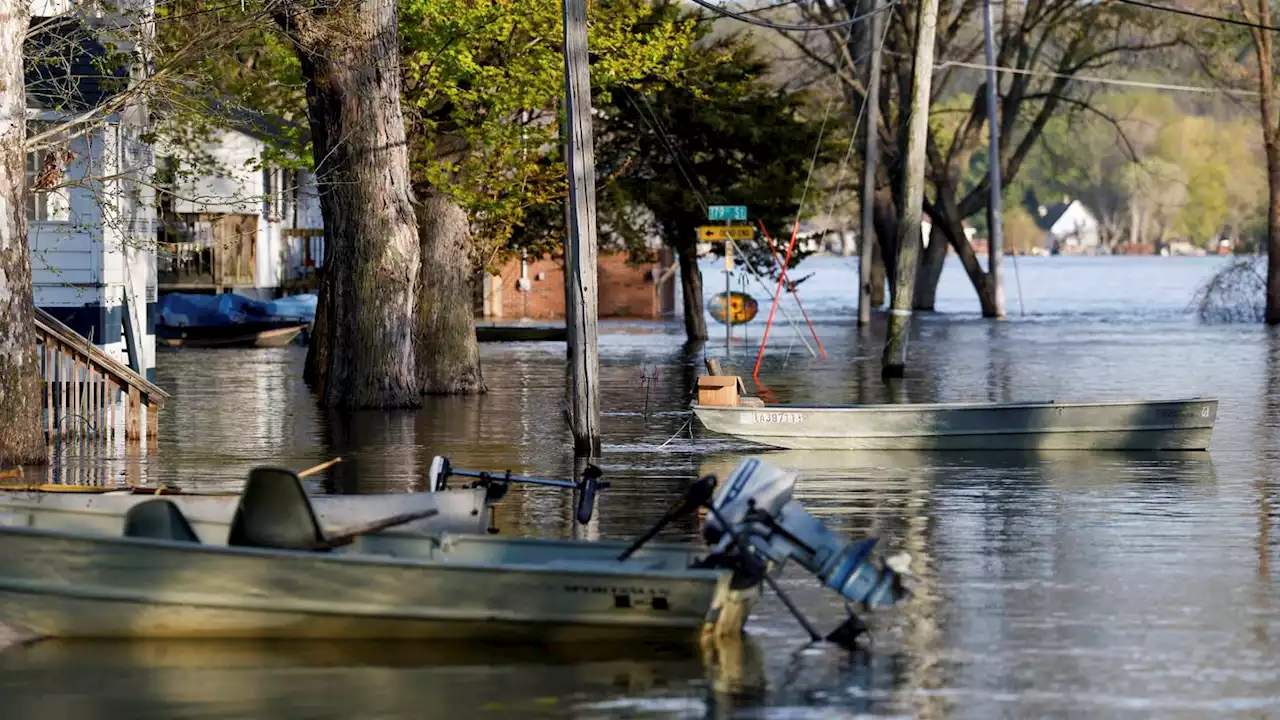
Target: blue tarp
[190, 310]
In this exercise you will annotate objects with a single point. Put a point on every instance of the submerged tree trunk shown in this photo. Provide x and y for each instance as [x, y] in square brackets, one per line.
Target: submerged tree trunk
[894, 360]
[447, 351]
[318, 341]
[351, 65]
[21, 429]
[930, 271]
[877, 276]
[886, 222]
[1264, 47]
[695, 323]
[1273, 237]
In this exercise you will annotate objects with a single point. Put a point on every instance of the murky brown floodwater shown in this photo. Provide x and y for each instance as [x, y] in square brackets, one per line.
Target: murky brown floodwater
[1066, 584]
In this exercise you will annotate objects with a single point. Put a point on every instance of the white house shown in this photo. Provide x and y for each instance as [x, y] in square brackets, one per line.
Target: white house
[233, 220]
[89, 203]
[1069, 227]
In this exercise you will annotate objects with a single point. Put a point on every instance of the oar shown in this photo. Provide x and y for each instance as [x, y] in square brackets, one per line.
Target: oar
[348, 536]
[318, 468]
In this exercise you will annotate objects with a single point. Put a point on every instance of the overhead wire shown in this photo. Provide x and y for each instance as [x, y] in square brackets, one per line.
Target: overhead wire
[744, 17]
[1094, 79]
[1200, 15]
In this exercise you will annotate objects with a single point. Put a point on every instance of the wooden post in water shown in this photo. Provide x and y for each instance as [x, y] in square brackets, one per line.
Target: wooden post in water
[870, 163]
[894, 361]
[581, 313]
[132, 431]
[995, 213]
[48, 389]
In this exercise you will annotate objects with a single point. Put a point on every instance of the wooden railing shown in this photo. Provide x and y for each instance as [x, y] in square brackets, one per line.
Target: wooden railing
[87, 393]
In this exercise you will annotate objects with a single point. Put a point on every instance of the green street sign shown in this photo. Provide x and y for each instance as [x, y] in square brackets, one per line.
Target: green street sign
[727, 212]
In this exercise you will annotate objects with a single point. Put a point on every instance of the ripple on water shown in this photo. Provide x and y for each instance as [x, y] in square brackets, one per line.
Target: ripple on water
[1058, 584]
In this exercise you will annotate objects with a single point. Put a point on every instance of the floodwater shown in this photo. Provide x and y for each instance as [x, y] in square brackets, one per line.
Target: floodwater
[1062, 584]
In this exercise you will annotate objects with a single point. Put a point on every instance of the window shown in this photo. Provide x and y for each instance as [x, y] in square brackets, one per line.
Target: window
[46, 205]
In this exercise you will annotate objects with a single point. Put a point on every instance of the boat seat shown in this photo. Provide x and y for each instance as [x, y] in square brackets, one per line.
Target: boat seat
[274, 512]
[158, 520]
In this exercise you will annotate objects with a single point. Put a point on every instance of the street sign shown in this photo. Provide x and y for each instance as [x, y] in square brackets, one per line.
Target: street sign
[710, 233]
[727, 212]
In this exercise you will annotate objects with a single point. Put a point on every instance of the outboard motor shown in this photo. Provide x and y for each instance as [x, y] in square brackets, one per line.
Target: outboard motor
[755, 502]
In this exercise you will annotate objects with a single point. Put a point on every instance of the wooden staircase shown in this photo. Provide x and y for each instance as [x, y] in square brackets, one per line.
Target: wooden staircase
[87, 393]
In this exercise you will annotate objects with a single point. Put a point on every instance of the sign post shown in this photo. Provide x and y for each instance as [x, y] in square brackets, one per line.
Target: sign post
[728, 233]
[728, 306]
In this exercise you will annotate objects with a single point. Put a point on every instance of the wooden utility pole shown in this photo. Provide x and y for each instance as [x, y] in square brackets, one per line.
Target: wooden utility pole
[894, 361]
[995, 213]
[580, 252]
[870, 163]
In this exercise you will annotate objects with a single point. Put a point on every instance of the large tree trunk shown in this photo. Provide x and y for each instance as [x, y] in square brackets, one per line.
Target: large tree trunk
[695, 323]
[21, 429]
[930, 270]
[448, 354]
[351, 64]
[885, 214]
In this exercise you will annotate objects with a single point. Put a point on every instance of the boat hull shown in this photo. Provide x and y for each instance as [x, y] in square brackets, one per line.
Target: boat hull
[460, 511]
[1137, 425]
[252, 334]
[84, 586]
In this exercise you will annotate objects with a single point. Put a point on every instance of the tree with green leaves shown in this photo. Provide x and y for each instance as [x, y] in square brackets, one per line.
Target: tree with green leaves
[722, 135]
[481, 87]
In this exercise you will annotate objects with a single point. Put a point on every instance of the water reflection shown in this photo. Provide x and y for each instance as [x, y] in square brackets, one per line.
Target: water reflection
[344, 680]
[1074, 583]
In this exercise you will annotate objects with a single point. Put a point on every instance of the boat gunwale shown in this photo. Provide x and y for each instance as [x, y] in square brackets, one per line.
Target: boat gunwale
[270, 605]
[368, 559]
[981, 433]
[915, 407]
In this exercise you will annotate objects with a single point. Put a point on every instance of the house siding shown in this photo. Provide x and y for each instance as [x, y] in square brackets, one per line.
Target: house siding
[625, 290]
[83, 267]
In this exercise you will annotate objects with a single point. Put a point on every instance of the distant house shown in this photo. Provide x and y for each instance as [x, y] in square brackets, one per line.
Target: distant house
[232, 219]
[1069, 227]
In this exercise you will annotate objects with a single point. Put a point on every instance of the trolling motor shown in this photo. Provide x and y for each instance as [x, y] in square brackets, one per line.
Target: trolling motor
[754, 526]
[440, 471]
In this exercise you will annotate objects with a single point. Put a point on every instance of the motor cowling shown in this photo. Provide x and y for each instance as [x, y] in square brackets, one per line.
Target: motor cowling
[755, 502]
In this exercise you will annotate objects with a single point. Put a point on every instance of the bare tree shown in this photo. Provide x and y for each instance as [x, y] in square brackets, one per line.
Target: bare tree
[1042, 46]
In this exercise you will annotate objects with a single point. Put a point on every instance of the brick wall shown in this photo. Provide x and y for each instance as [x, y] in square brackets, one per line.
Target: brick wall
[626, 290]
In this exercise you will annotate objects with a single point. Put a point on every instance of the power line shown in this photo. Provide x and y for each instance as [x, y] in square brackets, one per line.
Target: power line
[1094, 79]
[1200, 15]
[742, 16]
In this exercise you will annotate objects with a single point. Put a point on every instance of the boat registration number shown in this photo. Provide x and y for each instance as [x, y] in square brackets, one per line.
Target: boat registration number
[773, 418]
